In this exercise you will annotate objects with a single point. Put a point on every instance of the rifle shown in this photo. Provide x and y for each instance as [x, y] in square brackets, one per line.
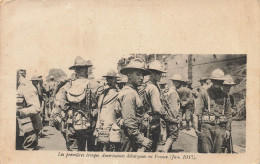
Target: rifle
[199, 145]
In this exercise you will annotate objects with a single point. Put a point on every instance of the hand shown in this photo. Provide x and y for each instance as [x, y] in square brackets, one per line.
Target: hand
[147, 143]
[198, 133]
[227, 134]
[94, 112]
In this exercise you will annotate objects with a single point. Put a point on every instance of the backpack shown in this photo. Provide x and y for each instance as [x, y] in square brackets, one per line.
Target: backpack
[79, 95]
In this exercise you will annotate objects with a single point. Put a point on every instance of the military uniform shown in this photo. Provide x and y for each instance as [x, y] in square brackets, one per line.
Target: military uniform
[187, 103]
[214, 112]
[152, 102]
[77, 100]
[51, 87]
[106, 121]
[131, 105]
[79, 123]
[28, 120]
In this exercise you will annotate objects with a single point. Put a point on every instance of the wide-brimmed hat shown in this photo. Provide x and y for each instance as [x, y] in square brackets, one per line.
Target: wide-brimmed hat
[111, 73]
[176, 77]
[156, 66]
[35, 78]
[80, 62]
[217, 74]
[51, 77]
[135, 64]
[229, 80]
[203, 79]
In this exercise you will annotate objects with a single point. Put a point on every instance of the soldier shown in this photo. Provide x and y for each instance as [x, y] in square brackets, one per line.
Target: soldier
[194, 96]
[131, 107]
[187, 103]
[106, 121]
[28, 120]
[77, 101]
[152, 101]
[227, 85]
[51, 87]
[212, 122]
[121, 82]
[173, 104]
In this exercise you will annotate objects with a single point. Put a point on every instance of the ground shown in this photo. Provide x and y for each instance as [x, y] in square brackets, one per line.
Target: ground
[187, 141]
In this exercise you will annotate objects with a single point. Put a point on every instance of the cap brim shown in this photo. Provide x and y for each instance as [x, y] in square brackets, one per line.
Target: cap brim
[229, 84]
[111, 76]
[156, 70]
[126, 70]
[74, 66]
[176, 80]
[219, 79]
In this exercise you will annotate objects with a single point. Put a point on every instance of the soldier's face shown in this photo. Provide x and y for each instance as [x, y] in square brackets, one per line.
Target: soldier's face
[136, 77]
[217, 84]
[226, 88]
[177, 84]
[81, 71]
[156, 76]
[111, 81]
[34, 82]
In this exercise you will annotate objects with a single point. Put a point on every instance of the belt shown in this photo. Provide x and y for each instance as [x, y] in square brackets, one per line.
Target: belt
[211, 119]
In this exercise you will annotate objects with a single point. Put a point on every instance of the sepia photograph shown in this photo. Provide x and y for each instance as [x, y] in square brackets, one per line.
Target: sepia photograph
[149, 103]
[132, 81]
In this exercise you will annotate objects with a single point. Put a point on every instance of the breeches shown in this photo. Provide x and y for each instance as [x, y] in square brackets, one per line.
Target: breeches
[79, 139]
[212, 138]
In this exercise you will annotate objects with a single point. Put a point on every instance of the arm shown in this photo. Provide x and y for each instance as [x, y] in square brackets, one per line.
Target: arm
[228, 114]
[128, 106]
[200, 105]
[32, 101]
[156, 103]
[174, 105]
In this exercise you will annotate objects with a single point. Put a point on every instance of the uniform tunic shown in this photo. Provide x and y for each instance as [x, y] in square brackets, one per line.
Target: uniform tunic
[212, 136]
[78, 136]
[185, 95]
[106, 107]
[130, 105]
[173, 100]
[29, 111]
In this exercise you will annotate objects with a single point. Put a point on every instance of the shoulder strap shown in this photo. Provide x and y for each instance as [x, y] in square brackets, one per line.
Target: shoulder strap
[208, 103]
[224, 106]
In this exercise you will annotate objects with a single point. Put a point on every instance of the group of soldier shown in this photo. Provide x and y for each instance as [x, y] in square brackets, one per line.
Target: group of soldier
[128, 114]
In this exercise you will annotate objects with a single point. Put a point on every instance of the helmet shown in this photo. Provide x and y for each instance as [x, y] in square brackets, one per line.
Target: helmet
[228, 80]
[35, 78]
[51, 77]
[111, 73]
[176, 77]
[156, 66]
[136, 64]
[217, 74]
[80, 62]
[203, 79]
